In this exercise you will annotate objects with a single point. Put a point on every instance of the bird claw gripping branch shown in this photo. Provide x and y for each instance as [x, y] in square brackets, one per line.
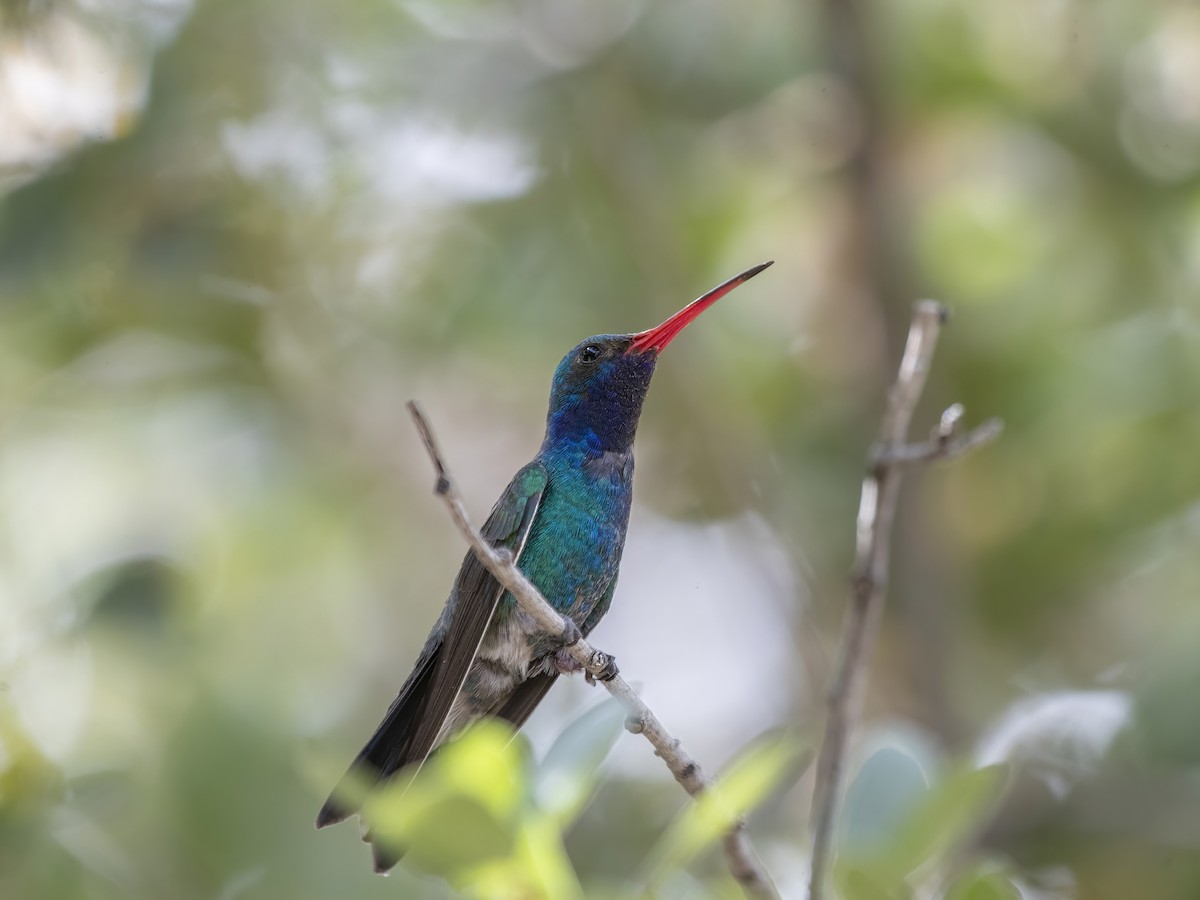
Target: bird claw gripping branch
[605, 665]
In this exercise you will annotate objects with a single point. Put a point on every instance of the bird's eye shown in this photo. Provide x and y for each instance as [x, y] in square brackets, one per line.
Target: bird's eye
[590, 353]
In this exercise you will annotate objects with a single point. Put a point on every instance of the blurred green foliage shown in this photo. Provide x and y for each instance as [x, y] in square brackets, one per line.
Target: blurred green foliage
[749, 780]
[236, 235]
[948, 813]
[477, 815]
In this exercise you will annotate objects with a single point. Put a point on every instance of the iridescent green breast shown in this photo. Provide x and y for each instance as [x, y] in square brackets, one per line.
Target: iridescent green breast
[574, 547]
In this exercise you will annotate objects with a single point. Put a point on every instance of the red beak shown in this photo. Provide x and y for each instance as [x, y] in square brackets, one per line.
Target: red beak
[658, 337]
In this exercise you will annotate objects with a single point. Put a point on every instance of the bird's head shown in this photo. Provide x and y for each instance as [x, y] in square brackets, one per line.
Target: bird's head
[598, 388]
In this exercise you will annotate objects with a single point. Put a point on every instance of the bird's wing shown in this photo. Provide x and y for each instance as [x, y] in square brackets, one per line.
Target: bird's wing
[415, 718]
[478, 593]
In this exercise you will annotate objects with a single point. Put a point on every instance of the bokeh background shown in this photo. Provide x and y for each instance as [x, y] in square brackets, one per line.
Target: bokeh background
[236, 235]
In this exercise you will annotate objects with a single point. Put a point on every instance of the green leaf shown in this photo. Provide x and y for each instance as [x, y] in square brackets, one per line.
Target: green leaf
[459, 809]
[857, 882]
[984, 882]
[953, 809]
[946, 816]
[488, 764]
[564, 781]
[747, 782]
[537, 869]
[888, 787]
[454, 835]
[540, 851]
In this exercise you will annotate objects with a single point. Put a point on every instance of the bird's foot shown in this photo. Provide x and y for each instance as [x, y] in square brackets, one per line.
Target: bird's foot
[561, 661]
[600, 667]
[604, 665]
[564, 663]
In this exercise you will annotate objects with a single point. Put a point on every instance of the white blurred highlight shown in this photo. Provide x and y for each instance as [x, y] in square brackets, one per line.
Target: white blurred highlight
[65, 81]
[1059, 737]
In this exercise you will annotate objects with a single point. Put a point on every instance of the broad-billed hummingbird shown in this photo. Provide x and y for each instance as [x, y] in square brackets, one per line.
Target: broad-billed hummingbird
[563, 517]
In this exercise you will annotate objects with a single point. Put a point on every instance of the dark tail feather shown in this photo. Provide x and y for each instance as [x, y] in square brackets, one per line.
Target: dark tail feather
[333, 811]
[385, 752]
[385, 855]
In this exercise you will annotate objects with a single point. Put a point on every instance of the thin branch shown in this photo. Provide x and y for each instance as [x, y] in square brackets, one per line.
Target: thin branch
[912, 455]
[743, 863]
[876, 513]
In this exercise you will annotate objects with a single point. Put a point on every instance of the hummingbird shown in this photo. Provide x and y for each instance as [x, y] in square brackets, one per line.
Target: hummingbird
[563, 517]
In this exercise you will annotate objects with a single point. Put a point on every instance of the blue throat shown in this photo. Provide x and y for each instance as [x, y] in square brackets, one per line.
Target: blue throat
[600, 414]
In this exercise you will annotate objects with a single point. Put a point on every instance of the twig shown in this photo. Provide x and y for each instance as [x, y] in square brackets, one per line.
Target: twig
[876, 512]
[743, 863]
[913, 455]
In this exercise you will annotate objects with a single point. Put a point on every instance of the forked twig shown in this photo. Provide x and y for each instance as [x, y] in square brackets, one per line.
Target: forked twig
[876, 513]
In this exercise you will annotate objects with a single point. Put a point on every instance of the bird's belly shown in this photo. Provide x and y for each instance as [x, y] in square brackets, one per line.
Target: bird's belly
[508, 649]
